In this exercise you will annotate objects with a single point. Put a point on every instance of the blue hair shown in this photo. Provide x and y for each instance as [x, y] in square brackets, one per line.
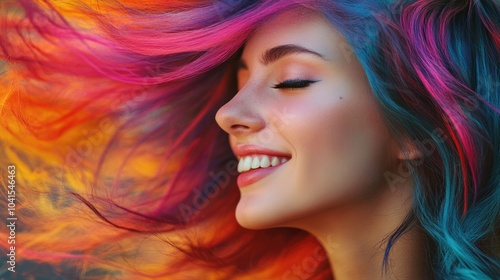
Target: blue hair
[434, 67]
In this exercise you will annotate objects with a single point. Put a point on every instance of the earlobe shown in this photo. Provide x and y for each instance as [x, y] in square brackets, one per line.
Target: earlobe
[408, 150]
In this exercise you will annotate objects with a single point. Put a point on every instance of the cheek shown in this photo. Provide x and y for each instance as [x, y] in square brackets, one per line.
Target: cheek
[341, 148]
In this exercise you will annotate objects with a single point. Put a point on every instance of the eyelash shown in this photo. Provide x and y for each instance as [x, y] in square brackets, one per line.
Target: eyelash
[290, 84]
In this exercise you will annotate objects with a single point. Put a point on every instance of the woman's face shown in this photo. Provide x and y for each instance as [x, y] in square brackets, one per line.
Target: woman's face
[305, 109]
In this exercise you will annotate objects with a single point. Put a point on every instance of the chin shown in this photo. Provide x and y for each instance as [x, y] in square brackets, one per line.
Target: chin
[248, 220]
[251, 219]
[259, 219]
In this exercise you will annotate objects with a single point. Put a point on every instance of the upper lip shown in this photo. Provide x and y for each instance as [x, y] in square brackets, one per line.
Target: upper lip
[242, 150]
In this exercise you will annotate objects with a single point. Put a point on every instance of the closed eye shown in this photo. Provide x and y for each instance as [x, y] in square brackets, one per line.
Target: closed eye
[294, 84]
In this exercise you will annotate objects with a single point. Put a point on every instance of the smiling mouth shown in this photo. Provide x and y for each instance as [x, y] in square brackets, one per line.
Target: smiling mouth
[252, 162]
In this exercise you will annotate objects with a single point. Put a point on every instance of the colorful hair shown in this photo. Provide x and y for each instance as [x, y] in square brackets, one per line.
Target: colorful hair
[108, 115]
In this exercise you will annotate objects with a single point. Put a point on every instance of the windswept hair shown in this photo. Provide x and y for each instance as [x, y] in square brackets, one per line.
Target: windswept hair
[107, 111]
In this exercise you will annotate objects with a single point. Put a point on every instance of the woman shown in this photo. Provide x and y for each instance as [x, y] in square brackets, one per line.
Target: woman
[371, 127]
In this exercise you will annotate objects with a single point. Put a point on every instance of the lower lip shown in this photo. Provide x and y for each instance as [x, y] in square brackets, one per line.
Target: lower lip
[249, 177]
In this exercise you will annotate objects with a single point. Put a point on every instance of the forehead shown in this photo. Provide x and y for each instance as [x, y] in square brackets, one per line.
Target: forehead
[301, 26]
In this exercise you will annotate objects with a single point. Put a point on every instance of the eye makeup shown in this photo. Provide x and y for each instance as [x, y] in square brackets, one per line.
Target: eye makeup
[294, 83]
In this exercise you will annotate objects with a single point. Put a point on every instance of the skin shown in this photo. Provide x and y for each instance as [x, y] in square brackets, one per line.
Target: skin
[334, 185]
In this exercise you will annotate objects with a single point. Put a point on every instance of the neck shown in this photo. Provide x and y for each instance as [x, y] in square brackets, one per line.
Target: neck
[363, 259]
[355, 237]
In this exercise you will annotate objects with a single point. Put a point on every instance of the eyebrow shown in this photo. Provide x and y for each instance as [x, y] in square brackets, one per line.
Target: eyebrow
[278, 52]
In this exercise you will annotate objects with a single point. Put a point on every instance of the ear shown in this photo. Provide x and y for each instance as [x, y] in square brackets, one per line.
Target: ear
[407, 149]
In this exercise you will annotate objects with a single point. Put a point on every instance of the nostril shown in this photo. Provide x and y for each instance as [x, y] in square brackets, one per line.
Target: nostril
[239, 126]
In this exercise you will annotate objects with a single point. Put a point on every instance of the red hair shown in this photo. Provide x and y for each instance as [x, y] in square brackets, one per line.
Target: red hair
[108, 111]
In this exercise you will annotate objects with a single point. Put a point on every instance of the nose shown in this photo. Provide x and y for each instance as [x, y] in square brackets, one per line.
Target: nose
[241, 115]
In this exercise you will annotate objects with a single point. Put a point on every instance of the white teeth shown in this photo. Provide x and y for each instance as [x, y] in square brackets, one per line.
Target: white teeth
[258, 161]
[264, 162]
[275, 161]
[255, 163]
[240, 165]
[247, 163]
